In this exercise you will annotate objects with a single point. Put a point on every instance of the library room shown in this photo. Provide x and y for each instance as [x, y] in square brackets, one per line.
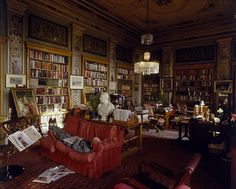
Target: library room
[118, 94]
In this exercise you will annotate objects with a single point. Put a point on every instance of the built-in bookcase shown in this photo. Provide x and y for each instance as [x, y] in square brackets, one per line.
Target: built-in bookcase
[95, 75]
[194, 84]
[125, 77]
[48, 75]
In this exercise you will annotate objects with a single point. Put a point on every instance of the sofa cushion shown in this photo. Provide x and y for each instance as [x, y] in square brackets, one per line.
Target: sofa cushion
[105, 131]
[81, 157]
[86, 129]
[71, 125]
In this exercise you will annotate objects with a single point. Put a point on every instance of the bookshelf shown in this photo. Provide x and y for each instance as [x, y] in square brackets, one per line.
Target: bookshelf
[125, 77]
[150, 88]
[95, 74]
[48, 74]
[194, 83]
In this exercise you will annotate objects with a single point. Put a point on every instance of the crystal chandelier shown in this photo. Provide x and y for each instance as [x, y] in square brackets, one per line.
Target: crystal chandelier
[146, 67]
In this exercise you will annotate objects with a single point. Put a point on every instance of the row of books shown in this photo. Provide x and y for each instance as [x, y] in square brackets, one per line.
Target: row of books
[51, 99]
[48, 56]
[193, 98]
[194, 84]
[150, 85]
[51, 91]
[48, 66]
[92, 74]
[95, 82]
[125, 71]
[128, 77]
[52, 108]
[49, 74]
[35, 82]
[94, 66]
[194, 77]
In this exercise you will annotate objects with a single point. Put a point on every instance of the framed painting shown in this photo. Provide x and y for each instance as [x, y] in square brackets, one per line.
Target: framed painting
[13, 80]
[94, 45]
[76, 82]
[45, 30]
[166, 84]
[25, 102]
[223, 86]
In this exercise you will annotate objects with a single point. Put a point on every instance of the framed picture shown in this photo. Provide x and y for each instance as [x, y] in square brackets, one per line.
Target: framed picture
[45, 30]
[223, 86]
[94, 45]
[76, 82]
[13, 80]
[25, 103]
[166, 83]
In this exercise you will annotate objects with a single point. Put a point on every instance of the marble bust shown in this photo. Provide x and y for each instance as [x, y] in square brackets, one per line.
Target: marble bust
[105, 107]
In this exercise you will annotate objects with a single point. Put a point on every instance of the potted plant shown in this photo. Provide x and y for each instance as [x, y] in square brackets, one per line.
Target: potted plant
[93, 101]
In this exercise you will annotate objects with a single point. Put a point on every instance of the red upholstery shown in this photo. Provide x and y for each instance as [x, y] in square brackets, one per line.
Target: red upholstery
[105, 156]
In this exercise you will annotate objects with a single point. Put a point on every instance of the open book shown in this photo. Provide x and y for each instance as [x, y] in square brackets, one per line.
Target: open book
[53, 174]
[23, 139]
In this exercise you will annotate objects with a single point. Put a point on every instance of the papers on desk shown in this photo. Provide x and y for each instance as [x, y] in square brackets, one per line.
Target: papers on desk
[121, 115]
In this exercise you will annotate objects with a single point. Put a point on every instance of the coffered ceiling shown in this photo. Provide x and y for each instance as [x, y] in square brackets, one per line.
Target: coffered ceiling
[163, 14]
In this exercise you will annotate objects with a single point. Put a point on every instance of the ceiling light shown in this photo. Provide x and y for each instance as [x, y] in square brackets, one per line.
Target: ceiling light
[146, 67]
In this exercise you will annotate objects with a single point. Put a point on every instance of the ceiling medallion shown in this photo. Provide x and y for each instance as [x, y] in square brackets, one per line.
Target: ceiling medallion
[163, 2]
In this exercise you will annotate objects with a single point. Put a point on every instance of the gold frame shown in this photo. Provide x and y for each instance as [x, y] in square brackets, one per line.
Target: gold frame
[25, 103]
[223, 86]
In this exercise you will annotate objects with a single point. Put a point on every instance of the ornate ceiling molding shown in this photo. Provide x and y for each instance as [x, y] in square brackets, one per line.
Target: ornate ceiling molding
[16, 7]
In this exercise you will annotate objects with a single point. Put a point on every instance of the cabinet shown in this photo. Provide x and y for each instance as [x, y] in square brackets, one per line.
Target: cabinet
[95, 75]
[125, 82]
[193, 84]
[48, 72]
[151, 88]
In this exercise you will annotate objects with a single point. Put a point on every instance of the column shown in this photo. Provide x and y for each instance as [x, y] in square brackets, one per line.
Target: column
[76, 63]
[15, 13]
[112, 66]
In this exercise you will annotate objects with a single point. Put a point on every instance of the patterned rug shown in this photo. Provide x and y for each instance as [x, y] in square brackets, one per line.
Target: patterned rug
[166, 134]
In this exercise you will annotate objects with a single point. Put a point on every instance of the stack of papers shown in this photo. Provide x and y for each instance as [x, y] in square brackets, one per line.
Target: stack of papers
[53, 174]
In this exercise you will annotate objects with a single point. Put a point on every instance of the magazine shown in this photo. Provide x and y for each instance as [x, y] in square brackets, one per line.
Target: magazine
[53, 174]
[23, 139]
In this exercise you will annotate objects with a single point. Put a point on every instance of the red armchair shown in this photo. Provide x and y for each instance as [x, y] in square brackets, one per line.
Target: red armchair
[146, 179]
[104, 156]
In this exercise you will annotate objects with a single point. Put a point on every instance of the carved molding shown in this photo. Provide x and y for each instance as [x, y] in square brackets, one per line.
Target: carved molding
[167, 70]
[16, 7]
[223, 60]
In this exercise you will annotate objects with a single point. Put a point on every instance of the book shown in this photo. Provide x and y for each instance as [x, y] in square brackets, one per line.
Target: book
[23, 139]
[53, 174]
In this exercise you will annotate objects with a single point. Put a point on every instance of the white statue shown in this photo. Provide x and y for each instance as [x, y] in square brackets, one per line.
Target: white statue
[105, 107]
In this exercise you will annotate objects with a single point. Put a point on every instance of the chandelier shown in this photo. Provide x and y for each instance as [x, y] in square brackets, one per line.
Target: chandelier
[146, 67]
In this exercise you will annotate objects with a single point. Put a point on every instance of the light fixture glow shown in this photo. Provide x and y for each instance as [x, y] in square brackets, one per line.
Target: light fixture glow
[146, 67]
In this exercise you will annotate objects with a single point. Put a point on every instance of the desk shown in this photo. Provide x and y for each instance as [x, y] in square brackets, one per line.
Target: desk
[136, 138]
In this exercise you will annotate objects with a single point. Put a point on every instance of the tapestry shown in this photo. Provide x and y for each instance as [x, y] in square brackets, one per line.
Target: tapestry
[15, 38]
[47, 31]
[112, 62]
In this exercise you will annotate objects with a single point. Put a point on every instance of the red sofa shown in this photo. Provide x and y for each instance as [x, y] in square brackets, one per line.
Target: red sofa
[105, 155]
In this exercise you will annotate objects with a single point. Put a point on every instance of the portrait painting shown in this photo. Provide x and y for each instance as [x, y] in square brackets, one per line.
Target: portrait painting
[25, 103]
